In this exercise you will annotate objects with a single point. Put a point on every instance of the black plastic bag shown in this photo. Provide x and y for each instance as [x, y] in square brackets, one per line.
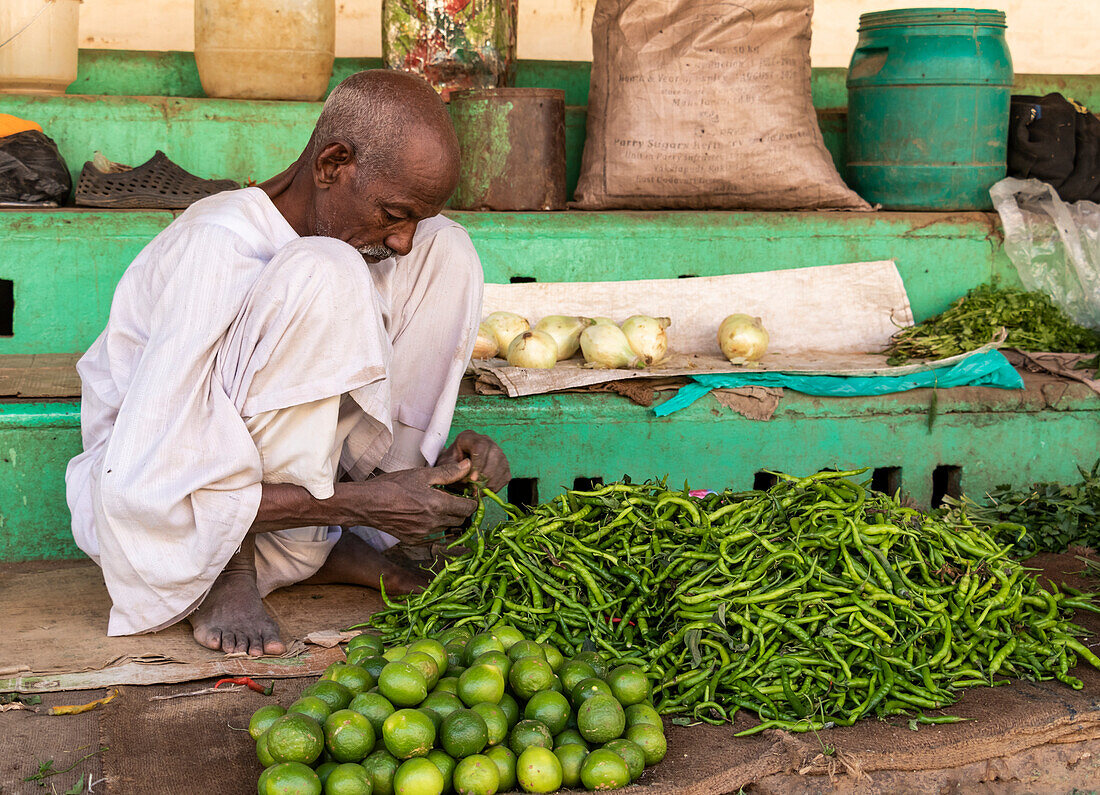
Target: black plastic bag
[1056, 141]
[32, 170]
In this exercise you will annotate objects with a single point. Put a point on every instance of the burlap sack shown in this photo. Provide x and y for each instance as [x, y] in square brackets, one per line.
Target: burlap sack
[701, 104]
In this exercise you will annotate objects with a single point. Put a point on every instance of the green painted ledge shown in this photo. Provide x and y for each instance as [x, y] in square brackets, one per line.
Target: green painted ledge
[995, 436]
[64, 264]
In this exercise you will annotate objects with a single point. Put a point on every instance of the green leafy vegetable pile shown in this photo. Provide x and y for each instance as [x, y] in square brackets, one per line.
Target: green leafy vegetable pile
[815, 603]
[1032, 320]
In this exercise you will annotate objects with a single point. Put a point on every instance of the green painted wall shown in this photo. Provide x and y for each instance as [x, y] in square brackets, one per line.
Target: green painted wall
[65, 263]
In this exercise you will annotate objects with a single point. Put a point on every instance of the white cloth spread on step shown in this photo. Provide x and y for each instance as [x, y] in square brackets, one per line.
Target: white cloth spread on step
[226, 315]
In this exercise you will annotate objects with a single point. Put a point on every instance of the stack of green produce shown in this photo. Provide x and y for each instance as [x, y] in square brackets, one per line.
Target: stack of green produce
[1032, 321]
[1043, 517]
[812, 604]
[470, 714]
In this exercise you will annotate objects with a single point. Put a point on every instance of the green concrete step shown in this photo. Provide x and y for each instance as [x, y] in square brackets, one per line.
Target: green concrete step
[980, 438]
[61, 266]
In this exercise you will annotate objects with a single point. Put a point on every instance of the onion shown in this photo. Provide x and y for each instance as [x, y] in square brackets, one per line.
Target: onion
[486, 345]
[506, 326]
[533, 349]
[566, 332]
[604, 321]
[606, 347]
[742, 338]
[647, 337]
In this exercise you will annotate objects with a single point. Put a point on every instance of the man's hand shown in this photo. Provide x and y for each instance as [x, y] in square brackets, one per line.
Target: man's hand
[488, 464]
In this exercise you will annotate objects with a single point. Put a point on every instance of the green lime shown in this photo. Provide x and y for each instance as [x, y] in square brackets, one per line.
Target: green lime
[446, 765]
[570, 737]
[496, 722]
[530, 675]
[371, 643]
[586, 689]
[380, 766]
[448, 684]
[354, 677]
[424, 663]
[549, 707]
[441, 703]
[510, 707]
[498, 659]
[375, 707]
[290, 778]
[604, 769]
[506, 765]
[595, 660]
[263, 718]
[332, 693]
[480, 683]
[372, 664]
[434, 649]
[403, 684]
[526, 648]
[651, 739]
[349, 736]
[325, 769]
[395, 653]
[507, 635]
[456, 653]
[418, 777]
[407, 733]
[628, 684]
[312, 706]
[464, 733]
[348, 779]
[642, 713]
[631, 753]
[600, 719]
[453, 634]
[553, 656]
[556, 685]
[262, 754]
[527, 733]
[573, 672]
[295, 738]
[571, 757]
[479, 644]
[538, 770]
[477, 774]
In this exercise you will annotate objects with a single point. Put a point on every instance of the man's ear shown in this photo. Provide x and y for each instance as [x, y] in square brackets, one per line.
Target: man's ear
[333, 158]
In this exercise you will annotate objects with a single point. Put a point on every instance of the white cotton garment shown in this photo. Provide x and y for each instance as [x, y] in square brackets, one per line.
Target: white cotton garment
[225, 315]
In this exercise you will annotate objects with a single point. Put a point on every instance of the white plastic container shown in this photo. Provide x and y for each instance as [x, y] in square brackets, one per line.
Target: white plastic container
[265, 49]
[40, 54]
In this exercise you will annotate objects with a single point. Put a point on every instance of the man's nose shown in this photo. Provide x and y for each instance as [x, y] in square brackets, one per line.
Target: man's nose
[401, 239]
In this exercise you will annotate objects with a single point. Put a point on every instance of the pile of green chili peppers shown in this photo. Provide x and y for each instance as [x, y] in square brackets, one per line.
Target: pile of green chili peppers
[813, 604]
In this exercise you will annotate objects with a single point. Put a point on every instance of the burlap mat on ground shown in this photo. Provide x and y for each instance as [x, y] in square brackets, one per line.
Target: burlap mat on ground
[58, 614]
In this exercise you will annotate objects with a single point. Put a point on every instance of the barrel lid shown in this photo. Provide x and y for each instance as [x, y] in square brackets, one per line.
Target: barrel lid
[932, 16]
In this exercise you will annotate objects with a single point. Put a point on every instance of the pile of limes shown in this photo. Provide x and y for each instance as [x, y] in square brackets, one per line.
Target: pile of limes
[463, 713]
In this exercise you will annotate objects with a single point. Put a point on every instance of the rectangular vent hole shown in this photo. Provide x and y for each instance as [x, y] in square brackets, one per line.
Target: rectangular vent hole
[524, 492]
[946, 482]
[586, 484]
[886, 480]
[7, 308]
[762, 481]
[522, 279]
[688, 276]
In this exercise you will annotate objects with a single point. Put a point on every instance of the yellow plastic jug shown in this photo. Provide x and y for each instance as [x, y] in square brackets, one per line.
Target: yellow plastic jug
[38, 45]
[265, 49]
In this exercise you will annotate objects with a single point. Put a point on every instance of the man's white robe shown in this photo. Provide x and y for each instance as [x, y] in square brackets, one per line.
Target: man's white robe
[226, 320]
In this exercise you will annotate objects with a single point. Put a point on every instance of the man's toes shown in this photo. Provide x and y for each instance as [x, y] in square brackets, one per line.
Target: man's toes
[229, 642]
[210, 638]
[272, 644]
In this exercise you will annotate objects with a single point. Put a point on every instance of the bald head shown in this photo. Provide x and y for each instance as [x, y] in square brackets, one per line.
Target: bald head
[387, 118]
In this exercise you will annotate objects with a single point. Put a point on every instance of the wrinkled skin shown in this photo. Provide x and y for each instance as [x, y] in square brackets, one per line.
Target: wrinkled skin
[378, 216]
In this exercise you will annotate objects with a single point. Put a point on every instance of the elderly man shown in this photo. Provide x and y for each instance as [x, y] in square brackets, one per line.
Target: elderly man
[282, 362]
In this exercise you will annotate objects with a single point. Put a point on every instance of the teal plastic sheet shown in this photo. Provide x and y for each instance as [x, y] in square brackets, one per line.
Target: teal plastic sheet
[989, 368]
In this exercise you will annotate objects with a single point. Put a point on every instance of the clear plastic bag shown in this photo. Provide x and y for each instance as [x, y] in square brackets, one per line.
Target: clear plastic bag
[1054, 245]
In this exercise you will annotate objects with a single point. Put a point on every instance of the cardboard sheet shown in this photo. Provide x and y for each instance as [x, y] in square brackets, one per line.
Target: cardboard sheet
[829, 319]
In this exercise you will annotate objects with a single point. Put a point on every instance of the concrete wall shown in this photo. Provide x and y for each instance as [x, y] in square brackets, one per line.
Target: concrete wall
[1046, 36]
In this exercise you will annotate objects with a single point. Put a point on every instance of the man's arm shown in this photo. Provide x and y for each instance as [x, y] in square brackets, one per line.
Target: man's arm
[404, 504]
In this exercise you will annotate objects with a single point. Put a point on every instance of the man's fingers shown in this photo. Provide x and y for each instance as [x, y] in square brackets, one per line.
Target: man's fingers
[450, 472]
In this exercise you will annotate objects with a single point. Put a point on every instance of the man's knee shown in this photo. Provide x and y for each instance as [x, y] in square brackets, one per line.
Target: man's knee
[314, 266]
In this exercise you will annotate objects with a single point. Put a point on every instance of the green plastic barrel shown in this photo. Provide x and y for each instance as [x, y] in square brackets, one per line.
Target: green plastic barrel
[928, 97]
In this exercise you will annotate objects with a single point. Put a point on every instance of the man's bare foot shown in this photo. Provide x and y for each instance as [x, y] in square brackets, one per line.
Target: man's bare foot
[232, 617]
[355, 562]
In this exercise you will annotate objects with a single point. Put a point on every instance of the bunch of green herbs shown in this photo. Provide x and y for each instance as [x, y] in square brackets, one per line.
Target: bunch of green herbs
[1031, 319]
